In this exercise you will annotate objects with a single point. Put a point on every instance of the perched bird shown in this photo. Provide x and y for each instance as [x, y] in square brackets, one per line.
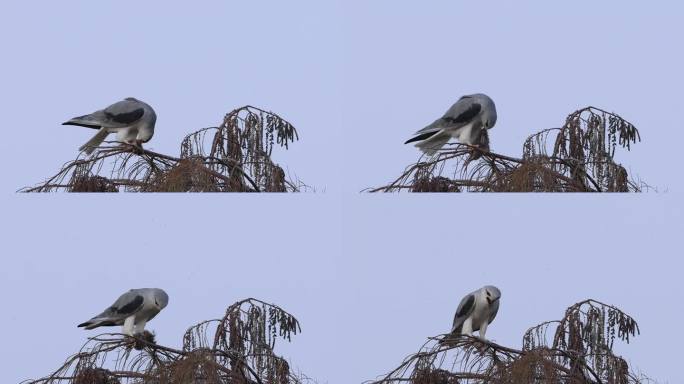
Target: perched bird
[133, 310]
[467, 120]
[476, 311]
[131, 119]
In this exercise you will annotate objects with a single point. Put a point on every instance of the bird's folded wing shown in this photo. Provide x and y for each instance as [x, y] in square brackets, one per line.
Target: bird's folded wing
[124, 112]
[462, 112]
[465, 308]
[128, 304]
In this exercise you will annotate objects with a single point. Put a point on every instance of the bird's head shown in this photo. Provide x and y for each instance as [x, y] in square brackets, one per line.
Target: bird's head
[149, 122]
[492, 293]
[145, 135]
[488, 110]
[161, 299]
[489, 118]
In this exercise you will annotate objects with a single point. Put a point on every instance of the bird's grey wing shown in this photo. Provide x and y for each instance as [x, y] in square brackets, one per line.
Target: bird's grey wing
[463, 111]
[465, 308]
[129, 302]
[493, 311]
[95, 120]
[124, 112]
[126, 305]
[118, 115]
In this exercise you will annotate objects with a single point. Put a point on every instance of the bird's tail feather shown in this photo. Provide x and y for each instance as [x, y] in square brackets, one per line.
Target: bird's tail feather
[84, 121]
[455, 332]
[422, 136]
[95, 142]
[97, 322]
[433, 144]
[88, 325]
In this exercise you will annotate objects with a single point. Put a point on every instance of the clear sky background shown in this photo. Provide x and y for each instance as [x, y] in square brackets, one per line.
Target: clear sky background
[192, 62]
[407, 62]
[369, 277]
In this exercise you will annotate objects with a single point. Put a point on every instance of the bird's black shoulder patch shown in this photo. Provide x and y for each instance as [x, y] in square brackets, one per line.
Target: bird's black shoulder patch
[470, 301]
[423, 136]
[131, 307]
[128, 117]
[466, 115]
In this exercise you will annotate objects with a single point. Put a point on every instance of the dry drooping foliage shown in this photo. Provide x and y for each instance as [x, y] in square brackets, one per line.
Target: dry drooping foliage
[578, 157]
[233, 157]
[580, 351]
[236, 349]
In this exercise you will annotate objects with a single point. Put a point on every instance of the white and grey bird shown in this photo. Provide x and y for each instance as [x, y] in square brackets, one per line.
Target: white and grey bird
[476, 311]
[133, 310]
[467, 121]
[131, 119]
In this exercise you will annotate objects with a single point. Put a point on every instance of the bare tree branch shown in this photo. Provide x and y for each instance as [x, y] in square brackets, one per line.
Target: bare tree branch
[580, 352]
[233, 157]
[241, 351]
[581, 158]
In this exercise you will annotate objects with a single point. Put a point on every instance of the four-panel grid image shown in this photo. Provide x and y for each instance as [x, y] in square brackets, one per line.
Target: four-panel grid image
[341, 192]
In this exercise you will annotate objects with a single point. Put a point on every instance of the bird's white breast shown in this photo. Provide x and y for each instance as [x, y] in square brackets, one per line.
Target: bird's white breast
[464, 133]
[480, 313]
[126, 134]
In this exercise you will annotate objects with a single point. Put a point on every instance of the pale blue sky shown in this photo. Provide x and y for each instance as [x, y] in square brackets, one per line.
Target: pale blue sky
[192, 63]
[356, 78]
[407, 62]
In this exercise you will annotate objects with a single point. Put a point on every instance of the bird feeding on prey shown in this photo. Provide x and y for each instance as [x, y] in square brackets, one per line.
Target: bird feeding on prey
[132, 310]
[467, 121]
[131, 119]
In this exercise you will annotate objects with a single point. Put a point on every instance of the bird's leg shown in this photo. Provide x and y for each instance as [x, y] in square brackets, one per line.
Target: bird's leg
[128, 326]
[139, 327]
[467, 328]
[483, 330]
